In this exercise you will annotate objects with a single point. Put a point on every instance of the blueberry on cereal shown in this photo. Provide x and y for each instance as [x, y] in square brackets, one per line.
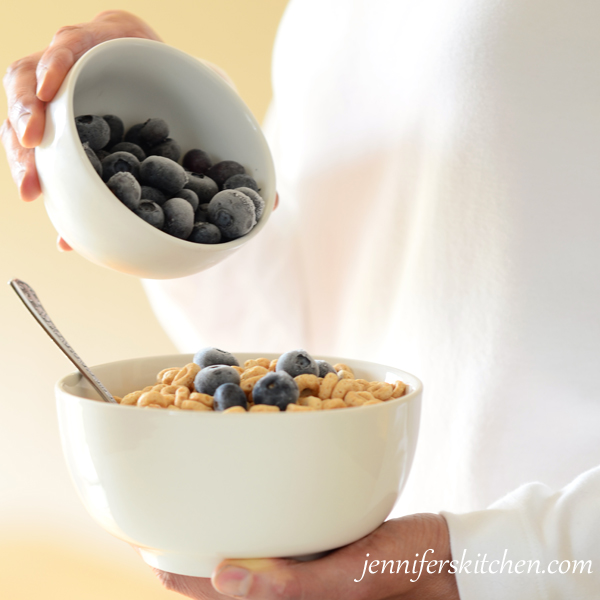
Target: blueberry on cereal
[275, 389]
[229, 395]
[210, 378]
[213, 356]
[324, 368]
[297, 362]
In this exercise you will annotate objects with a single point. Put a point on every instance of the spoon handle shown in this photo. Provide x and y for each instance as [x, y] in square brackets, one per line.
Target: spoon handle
[33, 304]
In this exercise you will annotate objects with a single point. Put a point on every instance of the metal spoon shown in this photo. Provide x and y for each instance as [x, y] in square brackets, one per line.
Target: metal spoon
[31, 301]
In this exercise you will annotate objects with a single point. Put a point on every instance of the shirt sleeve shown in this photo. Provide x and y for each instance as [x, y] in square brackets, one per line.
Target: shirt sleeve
[533, 544]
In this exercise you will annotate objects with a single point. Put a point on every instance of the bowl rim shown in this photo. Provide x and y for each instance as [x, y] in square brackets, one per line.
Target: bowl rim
[75, 377]
[70, 84]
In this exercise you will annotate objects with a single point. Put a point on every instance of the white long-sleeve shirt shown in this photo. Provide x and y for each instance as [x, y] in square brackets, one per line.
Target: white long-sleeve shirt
[438, 165]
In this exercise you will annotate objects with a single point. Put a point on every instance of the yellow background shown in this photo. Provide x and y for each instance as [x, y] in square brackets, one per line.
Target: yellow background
[49, 546]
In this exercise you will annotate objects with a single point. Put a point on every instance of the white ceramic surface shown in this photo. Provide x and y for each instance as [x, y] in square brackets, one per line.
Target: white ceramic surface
[138, 79]
[193, 488]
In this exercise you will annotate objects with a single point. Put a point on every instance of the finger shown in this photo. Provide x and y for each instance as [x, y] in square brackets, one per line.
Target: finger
[25, 109]
[71, 42]
[22, 164]
[276, 201]
[198, 588]
[62, 245]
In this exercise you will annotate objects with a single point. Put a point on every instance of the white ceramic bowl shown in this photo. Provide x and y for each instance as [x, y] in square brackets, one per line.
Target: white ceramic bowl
[193, 488]
[138, 79]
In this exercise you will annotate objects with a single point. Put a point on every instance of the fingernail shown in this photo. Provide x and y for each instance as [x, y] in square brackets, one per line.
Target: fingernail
[233, 581]
[22, 124]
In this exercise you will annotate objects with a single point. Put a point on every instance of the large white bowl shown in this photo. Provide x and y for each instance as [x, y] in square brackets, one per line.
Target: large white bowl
[138, 79]
[192, 488]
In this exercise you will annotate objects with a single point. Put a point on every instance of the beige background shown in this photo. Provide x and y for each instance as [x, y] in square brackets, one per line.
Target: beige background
[49, 546]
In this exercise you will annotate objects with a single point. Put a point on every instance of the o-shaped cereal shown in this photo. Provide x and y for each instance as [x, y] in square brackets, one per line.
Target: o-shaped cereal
[381, 390]
[254, 372]
[307, 382]
[326, 388]
[344, 386]
[358, 398]
[186, 376]
[148, 398]
[342, 367]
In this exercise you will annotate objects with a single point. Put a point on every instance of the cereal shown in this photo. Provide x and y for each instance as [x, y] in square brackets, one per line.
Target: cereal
[343, 386]
[334, 403]
[148, 398]
[175, 390]
[264, 408]
[186, 376]
[193, 405]
[381, 391]
[255, 371]
[308, 382]
[326, 388]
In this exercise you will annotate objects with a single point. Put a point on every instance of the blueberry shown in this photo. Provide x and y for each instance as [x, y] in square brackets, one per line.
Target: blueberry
[168, 148]
[150, 193]
[210, 378]
[324, 368]
[276, 389]
[232, 212]
[205, 233]
[257, 200]
[188, 195]
[179, 218]
[202, 213]
[154, 131]
[213, 356]
[196, 160]
[240, 180]
[102, 154]
[133, 135]
[93, 158]
[94, 130]
[151, 212]
[120, 161]
[162, 173]
[204, 187]
[297, 362]
[228, 395]
[126, 188]
[222, 171]
[117, 129]
[131, 148]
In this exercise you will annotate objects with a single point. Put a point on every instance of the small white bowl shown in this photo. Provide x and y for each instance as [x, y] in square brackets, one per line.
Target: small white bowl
[193, 488]
[138, 79]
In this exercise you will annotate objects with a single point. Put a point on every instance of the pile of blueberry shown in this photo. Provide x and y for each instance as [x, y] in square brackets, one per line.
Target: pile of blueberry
[217, 378]
[196, 200]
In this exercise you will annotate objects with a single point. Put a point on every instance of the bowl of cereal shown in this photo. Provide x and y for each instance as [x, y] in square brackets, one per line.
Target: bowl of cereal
[191, 485]
[138, 141]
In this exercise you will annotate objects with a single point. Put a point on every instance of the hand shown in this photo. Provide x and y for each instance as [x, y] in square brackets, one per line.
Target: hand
[33, 81]
[342, 574]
